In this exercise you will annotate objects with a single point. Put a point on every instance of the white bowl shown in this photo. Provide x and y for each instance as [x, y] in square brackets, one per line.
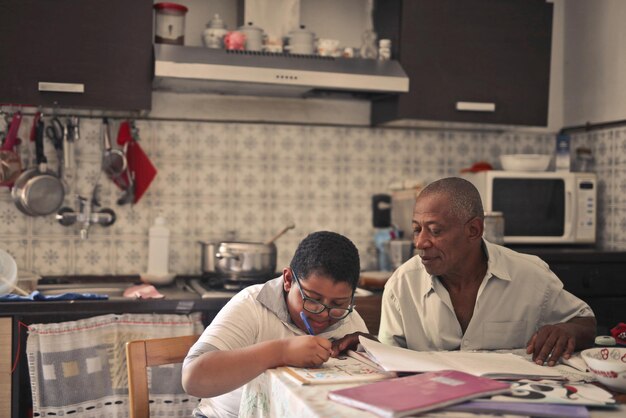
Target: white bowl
[8, 271]
[525, 162]
[608, 364]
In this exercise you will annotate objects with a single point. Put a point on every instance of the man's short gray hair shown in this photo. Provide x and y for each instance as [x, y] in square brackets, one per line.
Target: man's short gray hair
[465, 202]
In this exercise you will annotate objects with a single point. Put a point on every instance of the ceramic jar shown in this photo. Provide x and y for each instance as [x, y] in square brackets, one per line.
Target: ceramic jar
[254, 37]
[301, 41]
[213, 35]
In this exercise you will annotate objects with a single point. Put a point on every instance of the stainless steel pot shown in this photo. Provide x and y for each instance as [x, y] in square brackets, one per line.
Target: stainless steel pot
[238, 260]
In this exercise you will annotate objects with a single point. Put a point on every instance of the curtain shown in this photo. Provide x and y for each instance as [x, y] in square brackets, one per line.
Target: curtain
[78, 368]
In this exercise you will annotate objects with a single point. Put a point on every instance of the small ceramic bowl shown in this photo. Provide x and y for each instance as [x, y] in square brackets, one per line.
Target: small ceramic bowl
[608, 364]
[525, 162]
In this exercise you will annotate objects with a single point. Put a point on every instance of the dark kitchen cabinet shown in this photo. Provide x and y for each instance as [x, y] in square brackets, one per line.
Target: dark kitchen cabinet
[103, 48]
[597, 277]
[477, 61]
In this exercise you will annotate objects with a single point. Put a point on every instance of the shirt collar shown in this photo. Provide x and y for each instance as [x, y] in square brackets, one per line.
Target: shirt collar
[496, 264]
[496, 267]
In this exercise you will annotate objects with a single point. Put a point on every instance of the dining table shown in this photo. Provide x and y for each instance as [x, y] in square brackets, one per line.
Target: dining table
[275, 394]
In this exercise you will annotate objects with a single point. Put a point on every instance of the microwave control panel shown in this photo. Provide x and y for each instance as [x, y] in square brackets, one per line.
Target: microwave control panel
[586, 209]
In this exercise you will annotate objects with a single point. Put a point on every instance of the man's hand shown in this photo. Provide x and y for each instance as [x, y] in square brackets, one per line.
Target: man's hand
[305, 351]
[551, 342]
[348, 342]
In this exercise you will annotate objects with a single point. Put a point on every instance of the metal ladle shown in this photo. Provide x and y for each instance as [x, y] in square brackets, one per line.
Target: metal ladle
[280, 234]
[113, 160]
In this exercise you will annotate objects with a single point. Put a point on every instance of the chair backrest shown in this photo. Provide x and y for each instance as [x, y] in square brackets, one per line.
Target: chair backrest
[141, 354]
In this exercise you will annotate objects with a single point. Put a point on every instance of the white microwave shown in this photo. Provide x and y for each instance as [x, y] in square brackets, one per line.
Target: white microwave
[541, 207]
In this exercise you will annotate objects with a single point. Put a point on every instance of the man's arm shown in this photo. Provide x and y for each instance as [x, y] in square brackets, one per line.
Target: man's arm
[217, 372]
[551, 342]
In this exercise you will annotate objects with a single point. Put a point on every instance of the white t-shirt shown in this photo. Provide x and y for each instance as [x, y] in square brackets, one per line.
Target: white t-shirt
[258, 313]
[518, 295]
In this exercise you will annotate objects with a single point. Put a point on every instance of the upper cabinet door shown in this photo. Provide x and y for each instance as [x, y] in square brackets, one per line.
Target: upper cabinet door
[482, 61]
[76, 53]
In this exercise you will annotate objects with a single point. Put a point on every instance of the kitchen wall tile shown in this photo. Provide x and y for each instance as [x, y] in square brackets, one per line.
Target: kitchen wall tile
[177, 215]
[93, 256]
[183, 256]
[253, 179]
[130, 220]
[90, 144]
[210, 179]
[12, 221]
[48, 226]
[173, 140]
[53, 256]
[129, 256]
[619, 239]
[210, 220]
[19, 250]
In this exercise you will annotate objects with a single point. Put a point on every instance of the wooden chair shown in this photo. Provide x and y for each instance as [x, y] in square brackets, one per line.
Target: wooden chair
[140, 355]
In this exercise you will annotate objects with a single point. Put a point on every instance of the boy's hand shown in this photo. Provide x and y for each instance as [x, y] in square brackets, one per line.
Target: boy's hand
[348, 342]
[306, 351]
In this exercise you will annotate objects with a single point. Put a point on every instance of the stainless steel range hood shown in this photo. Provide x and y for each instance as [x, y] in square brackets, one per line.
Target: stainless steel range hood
[197, 70]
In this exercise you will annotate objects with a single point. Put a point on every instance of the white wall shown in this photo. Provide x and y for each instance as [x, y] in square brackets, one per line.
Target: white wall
[594, 61]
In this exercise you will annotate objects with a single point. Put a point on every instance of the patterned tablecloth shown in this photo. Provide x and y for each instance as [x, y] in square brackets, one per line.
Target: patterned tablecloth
[273, 394]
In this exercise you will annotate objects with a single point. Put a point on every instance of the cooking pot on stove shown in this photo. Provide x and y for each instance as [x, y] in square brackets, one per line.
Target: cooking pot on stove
[235, 260]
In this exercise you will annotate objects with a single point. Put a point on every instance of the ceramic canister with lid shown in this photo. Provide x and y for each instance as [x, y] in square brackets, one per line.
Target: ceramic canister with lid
[254, 37]
[169, 23]
[213, 35]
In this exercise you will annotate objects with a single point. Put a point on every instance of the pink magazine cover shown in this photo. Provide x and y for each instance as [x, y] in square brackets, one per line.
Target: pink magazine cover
[418, 393]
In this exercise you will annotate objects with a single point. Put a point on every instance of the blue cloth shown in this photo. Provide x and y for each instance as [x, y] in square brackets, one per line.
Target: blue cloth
[37, 296]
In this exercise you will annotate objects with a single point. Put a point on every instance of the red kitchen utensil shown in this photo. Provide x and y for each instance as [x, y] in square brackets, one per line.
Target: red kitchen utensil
[10, 161]
[141, 168]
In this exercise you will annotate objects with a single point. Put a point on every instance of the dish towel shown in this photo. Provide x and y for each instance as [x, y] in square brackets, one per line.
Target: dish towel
[78, 368]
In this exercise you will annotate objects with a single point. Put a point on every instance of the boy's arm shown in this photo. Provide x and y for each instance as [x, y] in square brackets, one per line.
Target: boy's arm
[217, 372]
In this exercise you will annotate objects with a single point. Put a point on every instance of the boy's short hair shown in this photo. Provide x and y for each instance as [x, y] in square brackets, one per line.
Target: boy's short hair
[327, 253]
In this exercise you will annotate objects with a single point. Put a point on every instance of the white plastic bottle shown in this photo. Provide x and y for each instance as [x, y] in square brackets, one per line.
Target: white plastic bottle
[158, 251]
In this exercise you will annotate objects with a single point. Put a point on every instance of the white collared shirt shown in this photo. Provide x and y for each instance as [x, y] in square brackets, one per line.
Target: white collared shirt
[257, 313]
[518, 295]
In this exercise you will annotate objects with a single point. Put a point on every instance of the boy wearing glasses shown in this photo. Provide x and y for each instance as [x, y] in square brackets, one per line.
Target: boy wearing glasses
[289, 320]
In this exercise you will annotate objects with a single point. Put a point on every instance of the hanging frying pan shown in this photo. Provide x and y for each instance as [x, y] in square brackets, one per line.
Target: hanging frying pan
[38, 191]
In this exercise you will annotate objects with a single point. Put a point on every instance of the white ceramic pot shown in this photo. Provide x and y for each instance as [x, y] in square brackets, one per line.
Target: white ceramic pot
[254, 37]
[300, 41]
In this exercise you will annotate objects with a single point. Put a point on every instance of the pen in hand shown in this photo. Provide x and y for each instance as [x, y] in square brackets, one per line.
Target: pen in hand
[306, 323]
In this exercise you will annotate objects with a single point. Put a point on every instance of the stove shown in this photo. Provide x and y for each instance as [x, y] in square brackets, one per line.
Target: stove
[210, 285]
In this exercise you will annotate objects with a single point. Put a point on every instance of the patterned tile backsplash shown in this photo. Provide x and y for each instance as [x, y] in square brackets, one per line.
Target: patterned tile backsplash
[254, 179]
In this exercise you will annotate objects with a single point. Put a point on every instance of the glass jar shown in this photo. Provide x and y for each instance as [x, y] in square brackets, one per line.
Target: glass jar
[494, 227]
[169, 23]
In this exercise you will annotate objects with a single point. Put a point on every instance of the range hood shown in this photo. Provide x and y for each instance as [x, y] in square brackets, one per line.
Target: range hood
[205, 70]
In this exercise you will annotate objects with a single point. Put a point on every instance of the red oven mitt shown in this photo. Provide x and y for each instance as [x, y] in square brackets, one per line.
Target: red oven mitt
[619, 333]
[139, 165]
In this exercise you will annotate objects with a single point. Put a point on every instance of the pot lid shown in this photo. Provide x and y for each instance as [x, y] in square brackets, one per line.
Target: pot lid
[250, 27]
[301, 31]
[216, 22]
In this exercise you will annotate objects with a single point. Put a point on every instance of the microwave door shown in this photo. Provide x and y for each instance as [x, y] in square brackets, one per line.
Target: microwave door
[535, 209]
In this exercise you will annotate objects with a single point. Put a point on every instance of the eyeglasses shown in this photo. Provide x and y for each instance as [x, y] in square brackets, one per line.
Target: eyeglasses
[316, 307]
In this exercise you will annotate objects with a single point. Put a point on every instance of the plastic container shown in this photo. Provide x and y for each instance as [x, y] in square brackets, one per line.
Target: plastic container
[158, 253]
[562, 160]
[169, 23]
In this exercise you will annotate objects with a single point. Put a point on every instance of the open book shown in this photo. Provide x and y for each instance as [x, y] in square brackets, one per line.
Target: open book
[352, 367]
[494, 365]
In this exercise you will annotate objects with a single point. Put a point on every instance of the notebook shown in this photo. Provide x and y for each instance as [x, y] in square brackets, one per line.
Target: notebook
[352, 367]
[417, 393]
